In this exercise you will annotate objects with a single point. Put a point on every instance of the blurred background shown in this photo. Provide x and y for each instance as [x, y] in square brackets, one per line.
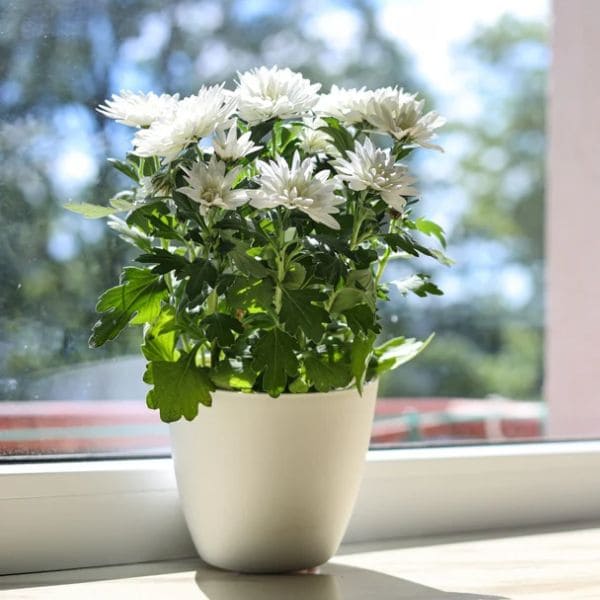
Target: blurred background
[481, 64]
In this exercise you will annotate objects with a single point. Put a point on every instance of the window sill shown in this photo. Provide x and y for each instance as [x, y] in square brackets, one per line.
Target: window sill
[81, 514]
[521, 565]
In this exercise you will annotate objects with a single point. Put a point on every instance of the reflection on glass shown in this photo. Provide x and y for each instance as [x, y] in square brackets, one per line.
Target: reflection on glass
[484, 69]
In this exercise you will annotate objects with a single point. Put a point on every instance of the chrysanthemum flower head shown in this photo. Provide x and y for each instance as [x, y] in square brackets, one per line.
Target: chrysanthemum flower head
[267, 93]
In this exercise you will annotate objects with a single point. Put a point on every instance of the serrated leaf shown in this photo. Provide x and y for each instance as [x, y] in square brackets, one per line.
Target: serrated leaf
[347, 298]
[233, 375]
[299, 386]
[431, 228]
[398, 351]
[221, 328]
[137, 300]
[299, 312]
[178, 388]
[90, 211]
[164, 260]
[202, 273]
[295, 276]
[250, 294]
[360, 353]
[160, 338]
[362, 318]
[327, 376]
[275, 358]
[247, 264]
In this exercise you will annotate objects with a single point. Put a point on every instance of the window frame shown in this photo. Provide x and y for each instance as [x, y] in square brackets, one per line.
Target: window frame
[46, 507]
[59, 515]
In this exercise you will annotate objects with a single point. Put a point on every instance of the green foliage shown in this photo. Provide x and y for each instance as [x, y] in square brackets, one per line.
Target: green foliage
[396, 352]
[327, 375]
[178, 388]
[257, 300]
[137, 300]
[275, 356]
[91, 211]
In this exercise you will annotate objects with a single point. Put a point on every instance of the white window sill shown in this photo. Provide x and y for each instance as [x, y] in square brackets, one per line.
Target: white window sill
[78, 514]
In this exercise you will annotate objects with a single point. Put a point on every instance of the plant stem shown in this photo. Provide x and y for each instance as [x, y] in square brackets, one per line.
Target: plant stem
[386, 255]
[280, 261]
[358, 220]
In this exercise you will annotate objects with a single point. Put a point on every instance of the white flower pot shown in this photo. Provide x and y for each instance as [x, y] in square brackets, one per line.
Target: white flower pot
[268, 484]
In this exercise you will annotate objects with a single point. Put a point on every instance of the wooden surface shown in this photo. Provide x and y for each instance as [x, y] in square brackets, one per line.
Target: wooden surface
[562, 563]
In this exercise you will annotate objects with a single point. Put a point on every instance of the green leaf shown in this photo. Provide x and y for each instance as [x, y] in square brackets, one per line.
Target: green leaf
[360, 353]
[347, 298]
[221, 327]
[246, 264]
[178, 388]
[275, 358]
[299, 312]
[130, 233]
[340, 136]
[164, 260]
[327, 376]
[295, 276]
[418, 284]
[442, 258]
[90, 211]
[120, 202]
[233, 375]
[362, 318]
[398, 351]
[431, 228]
[202, 273]
[160, 338]
[136, 300]
[299, 386]
[125, 168]
[250, 294]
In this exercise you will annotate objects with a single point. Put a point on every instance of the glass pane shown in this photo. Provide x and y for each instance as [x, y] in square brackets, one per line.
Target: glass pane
[482, 64]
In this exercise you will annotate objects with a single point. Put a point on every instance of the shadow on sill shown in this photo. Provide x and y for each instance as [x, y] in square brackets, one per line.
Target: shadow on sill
[332, 582]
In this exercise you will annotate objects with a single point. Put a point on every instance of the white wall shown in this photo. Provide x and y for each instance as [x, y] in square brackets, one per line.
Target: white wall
[573, 222]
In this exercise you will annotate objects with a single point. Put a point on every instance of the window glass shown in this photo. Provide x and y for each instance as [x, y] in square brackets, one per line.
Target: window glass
[483, 65]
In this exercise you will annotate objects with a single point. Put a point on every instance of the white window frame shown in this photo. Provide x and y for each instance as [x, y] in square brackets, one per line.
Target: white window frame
[73, 514]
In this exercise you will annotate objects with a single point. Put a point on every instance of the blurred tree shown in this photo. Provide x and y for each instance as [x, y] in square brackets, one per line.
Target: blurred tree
[490, 337]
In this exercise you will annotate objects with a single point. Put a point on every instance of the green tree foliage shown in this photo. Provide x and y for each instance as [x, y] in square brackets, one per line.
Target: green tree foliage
[485, 344]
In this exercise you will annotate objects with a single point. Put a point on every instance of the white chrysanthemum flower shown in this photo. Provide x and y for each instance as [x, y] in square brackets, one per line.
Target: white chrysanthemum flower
[231, 147]
[372, 168]
[210, 186]
[266, 93]
[348, 106]
[193, 118]
[296, 187]
[314, 140]
[138, 110]
[393, 111]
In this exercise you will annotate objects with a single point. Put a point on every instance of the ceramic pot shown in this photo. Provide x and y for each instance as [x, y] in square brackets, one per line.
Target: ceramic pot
[267, 485]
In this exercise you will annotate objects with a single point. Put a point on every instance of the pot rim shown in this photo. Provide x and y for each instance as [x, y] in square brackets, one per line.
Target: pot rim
[244, 396]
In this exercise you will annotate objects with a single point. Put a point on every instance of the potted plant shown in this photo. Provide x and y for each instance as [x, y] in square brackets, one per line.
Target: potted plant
[265, 218]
